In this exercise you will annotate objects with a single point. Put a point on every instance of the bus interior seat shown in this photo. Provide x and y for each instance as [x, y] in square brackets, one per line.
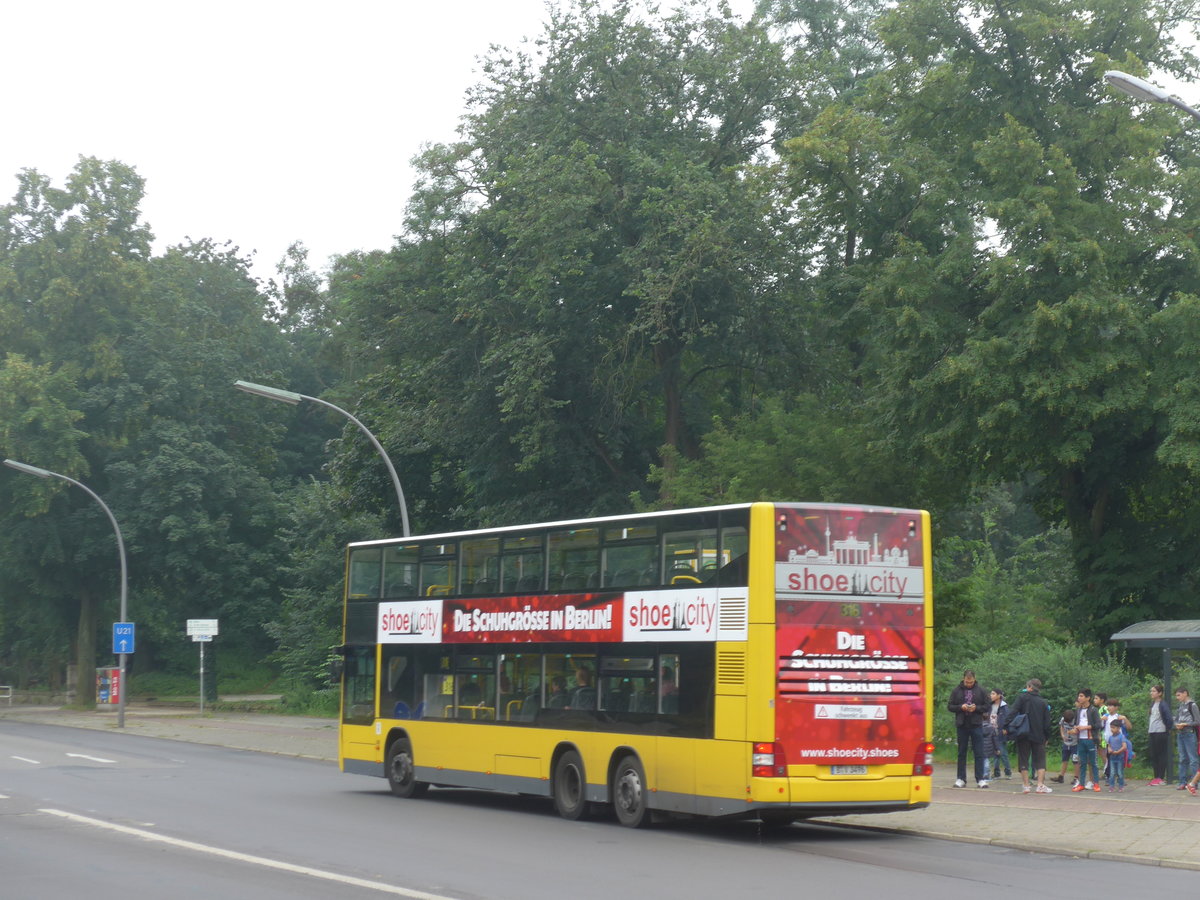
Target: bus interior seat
[623, 578]
[584, 698]
[528, 584]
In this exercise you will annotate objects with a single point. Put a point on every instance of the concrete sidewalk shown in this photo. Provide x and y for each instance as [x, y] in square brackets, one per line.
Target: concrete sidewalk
[1157, 826]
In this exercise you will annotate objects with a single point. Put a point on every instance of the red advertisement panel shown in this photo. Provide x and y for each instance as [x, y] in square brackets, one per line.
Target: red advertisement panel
[850, 635]
[514, 620]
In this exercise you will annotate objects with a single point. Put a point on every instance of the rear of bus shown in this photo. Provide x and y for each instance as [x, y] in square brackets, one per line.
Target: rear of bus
[853, 678]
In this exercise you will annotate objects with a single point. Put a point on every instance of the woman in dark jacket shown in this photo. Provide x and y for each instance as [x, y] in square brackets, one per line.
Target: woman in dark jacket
[1161, 726]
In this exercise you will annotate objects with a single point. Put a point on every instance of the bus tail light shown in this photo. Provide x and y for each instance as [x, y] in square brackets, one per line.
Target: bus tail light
[923, 759]
[768, 761]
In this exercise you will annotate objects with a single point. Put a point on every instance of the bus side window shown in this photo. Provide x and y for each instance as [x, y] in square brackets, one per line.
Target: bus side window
[574, 558]
[438, 570]
[668, 683]
[366, 569]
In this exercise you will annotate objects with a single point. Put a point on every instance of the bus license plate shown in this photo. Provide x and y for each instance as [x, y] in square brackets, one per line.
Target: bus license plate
[849, 770]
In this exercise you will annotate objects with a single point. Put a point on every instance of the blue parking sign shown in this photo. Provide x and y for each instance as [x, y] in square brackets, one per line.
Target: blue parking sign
[123, 637]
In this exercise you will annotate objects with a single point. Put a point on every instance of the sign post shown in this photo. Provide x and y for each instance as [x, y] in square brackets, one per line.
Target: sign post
[202, 631]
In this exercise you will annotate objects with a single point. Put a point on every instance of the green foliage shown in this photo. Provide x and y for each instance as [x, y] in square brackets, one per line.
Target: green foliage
[308, 622]
[148, 685]
[117, 368]
[323, 702]
[586, 271]
[909, 254]
[999, 576]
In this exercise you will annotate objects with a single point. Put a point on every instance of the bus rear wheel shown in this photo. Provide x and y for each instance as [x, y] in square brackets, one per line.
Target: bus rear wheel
[777, 821]
[629, 793]
[401, 772]
[570, 786]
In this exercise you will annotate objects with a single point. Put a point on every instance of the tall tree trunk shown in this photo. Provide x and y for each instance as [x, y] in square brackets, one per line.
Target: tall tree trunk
[676, 434]
[85, 651]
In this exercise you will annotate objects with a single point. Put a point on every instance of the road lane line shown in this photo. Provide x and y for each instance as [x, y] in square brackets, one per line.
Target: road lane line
[92, 758]
[247, 858]
[32, 762]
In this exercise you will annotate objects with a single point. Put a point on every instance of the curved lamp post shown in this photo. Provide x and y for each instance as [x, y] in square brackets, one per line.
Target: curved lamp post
[46, 473]
[1143, 90]
[293, 398]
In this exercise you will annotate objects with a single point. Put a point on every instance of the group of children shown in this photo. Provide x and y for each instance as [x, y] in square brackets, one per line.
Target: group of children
[1095, 739]
[1092, 731]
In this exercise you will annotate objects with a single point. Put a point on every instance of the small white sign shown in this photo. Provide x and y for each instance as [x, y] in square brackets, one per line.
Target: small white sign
[201, 637]
[202, 626]
[831, 711]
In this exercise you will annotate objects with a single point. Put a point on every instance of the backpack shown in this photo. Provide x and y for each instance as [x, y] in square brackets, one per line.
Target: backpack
[1017, 728]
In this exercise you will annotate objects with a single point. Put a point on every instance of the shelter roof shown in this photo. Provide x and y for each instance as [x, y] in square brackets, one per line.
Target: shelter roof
[1168, 634]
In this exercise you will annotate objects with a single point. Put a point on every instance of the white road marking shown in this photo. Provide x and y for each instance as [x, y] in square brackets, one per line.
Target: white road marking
[247, 858]
[32, 762]
[92, 758]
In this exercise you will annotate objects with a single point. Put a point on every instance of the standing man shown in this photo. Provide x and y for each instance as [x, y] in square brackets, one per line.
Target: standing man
[1087, 728]
[969, 703]
[1187, 718]
[1031, 749]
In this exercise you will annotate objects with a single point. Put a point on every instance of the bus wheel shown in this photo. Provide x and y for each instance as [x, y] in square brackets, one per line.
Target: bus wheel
[629, 793]
[777, 821]
[401, 774]
[569, 786]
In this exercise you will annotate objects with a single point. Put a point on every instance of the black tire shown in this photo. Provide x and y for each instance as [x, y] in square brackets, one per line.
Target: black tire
[401, 772]
[629, 795]
[777, 821]
[570, 786]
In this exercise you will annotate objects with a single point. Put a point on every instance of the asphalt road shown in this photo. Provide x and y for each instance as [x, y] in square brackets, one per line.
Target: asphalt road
[99, 815]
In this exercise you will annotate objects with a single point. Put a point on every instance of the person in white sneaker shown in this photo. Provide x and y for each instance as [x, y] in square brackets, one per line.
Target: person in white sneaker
[1031, 749]
[969, 703]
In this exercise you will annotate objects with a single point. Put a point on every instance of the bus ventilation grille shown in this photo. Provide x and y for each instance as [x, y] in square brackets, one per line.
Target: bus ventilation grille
[733, 619]
[731, 668]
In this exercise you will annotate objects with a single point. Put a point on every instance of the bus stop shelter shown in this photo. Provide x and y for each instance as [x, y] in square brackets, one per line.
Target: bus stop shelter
[1167, 636]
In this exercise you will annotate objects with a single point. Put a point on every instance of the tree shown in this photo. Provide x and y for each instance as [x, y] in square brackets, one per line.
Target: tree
[119, 371]
[1013, 257]
[587, 272]
[71, 277]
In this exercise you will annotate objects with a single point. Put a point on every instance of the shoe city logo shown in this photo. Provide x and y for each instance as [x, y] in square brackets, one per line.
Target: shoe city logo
[850, 566]
[412, 619]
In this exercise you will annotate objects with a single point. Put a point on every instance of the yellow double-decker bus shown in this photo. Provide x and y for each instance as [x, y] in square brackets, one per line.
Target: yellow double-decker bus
[766, 660]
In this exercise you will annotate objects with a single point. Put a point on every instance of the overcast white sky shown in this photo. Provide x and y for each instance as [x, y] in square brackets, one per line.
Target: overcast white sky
[256, 121]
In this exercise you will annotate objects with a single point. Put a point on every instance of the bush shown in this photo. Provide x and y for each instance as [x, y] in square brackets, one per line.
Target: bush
[304, 702]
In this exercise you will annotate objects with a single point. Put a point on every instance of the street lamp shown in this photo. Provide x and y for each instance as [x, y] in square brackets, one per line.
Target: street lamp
[293, 398]
[46, 473]
[1144, 90]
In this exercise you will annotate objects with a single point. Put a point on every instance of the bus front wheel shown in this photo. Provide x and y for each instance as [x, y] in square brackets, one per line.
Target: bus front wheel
[629, 793]
[401, 773]
[570, 786]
